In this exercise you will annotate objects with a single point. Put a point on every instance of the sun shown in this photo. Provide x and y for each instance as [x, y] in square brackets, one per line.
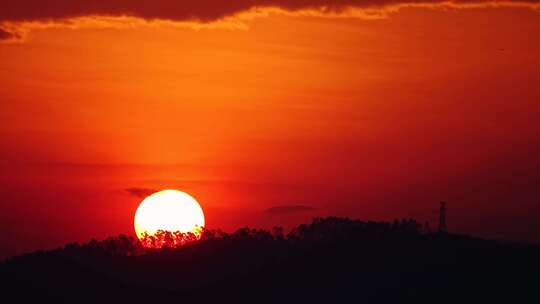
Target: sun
[168, 210]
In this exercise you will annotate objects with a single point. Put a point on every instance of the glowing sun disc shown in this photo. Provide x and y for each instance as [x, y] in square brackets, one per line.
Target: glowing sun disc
[168, 210]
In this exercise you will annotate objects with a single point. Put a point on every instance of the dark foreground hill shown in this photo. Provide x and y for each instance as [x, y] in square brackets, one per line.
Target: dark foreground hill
[331, 260]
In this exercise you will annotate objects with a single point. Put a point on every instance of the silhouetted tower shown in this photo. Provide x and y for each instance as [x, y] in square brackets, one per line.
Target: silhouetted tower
[442, 217]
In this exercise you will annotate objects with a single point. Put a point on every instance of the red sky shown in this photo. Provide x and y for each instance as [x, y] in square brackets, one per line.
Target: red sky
[372, 118]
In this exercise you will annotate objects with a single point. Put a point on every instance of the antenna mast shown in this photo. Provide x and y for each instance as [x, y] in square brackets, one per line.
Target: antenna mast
[442, 218]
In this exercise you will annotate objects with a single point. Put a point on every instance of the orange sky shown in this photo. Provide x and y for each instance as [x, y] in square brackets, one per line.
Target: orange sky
[375, 119]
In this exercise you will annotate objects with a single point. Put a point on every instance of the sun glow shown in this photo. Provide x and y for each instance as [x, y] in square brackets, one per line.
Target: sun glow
[168, 210]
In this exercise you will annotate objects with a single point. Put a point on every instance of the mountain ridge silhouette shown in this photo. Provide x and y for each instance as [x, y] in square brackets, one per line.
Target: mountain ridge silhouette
[330, 260]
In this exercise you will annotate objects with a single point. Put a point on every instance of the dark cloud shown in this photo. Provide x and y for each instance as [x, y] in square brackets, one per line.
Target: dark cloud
[5, 35]
[9, 35]
[288, 209]
[140, 192]
[200, 10]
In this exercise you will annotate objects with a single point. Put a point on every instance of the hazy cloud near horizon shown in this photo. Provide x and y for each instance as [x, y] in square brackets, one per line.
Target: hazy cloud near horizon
[288, 209]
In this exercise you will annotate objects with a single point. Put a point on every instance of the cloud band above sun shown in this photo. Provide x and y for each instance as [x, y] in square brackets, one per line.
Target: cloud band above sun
[15, 16]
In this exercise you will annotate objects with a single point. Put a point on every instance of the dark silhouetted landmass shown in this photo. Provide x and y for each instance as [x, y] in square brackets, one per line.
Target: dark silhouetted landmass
[331, 260]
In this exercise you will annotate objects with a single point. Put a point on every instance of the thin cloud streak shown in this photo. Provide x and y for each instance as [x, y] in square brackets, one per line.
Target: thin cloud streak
[140, 192]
